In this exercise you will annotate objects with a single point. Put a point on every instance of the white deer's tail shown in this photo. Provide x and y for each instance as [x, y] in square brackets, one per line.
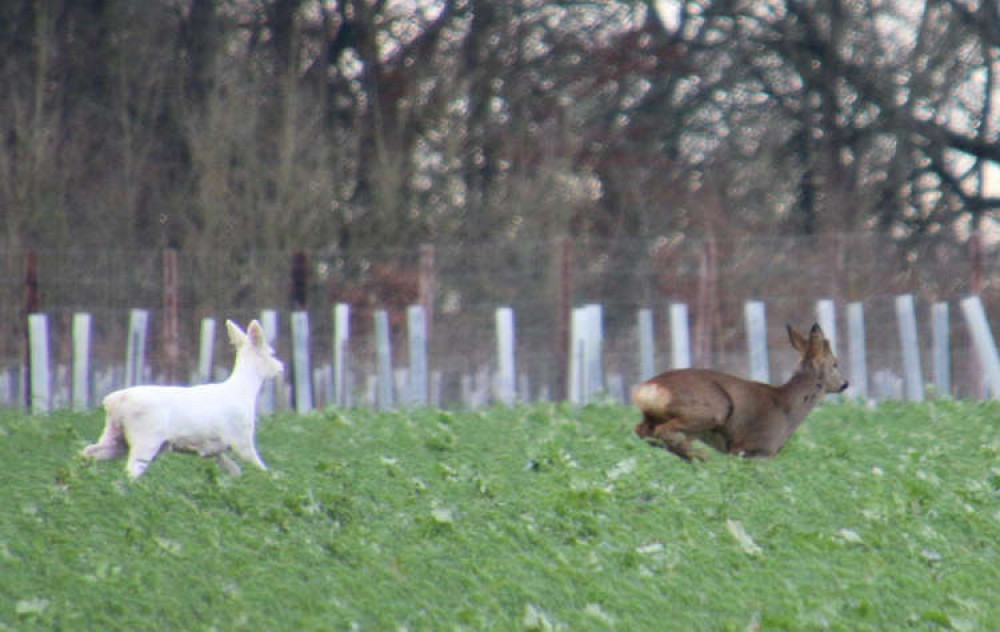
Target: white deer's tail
[111, 401]
[112, 442]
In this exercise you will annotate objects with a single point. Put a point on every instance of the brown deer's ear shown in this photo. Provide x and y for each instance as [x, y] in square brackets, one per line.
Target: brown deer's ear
[799, 342]
[817, 342]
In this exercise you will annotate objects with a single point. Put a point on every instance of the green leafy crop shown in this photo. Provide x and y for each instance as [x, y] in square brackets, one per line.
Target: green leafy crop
[544, 517]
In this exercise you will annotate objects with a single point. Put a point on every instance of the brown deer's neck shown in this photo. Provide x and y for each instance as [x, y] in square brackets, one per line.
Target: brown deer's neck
[801, 393]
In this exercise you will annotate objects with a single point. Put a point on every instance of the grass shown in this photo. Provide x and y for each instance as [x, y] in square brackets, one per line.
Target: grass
[544, 517]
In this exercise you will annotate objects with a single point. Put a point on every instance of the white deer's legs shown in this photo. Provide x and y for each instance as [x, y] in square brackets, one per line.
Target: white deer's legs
[141, 453]
[105, 451]
[111, 445]
[246, 451]
[230, 466]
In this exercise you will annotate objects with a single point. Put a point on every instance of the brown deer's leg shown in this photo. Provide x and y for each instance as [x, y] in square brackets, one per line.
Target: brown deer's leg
[645, 428]
[677, 441]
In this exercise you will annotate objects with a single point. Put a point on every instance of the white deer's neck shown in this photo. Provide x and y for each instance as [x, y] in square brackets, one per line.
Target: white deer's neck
[245, 376]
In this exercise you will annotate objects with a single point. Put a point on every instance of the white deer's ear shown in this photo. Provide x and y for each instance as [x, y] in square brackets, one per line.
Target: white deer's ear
[236, 335]
[256, 334]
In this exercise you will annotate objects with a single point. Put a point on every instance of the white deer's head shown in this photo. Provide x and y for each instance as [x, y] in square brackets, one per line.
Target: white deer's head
[253, 351]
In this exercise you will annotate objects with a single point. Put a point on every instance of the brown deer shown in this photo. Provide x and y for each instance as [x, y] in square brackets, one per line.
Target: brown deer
[731, 414]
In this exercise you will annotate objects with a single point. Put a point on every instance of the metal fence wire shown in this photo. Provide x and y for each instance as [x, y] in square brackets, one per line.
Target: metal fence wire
[461, 286]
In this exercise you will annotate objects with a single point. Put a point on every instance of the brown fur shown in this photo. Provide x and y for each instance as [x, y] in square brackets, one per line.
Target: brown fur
[731, 414]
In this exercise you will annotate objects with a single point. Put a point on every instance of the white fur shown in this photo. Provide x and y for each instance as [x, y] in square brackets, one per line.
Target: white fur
[209, 419]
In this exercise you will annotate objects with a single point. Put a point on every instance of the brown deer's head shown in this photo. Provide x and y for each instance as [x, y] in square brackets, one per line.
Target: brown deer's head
[818, 358]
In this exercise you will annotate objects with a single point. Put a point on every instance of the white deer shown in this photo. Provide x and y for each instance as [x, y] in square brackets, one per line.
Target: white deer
[209, 419]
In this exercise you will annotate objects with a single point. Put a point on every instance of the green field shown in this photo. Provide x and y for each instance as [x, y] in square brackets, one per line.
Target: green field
[545, 517]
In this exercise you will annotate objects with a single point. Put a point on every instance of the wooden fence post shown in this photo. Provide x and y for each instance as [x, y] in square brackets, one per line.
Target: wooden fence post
[300, 280]
[907, 318]
[708, 309]
[135, 353]
[416, 325]
[941, 353]
[647, 344]
[32, 305]
[81, 361]
[341, 338]
[982, 337]
[383, 354]
[506, 369]
[300, 361]
[563, 343]
[38, 340]
[427, 284]
[856, 342]
[170, 326]
[756, 323]
[680, 336]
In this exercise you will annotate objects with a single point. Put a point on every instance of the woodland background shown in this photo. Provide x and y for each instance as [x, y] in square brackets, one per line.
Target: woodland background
[627, 152]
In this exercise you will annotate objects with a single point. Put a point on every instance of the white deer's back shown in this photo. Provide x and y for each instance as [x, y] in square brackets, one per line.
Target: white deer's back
[192, 415]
